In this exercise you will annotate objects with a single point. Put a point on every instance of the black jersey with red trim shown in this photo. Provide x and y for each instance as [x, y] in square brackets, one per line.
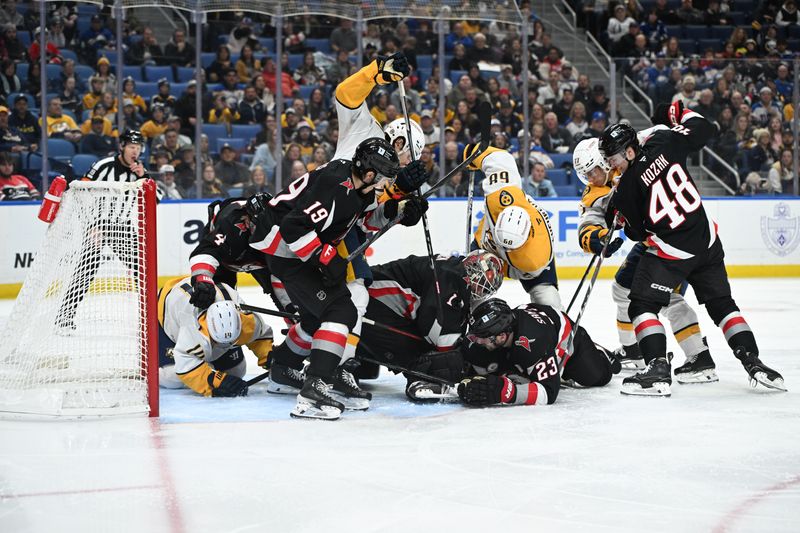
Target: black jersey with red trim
[539, 345]
[407, 287]
[318, 207]
[658, 197]
[224, 246]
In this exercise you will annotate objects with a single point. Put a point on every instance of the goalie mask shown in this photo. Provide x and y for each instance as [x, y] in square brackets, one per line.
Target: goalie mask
[587, 157]
[513, 227]
[224, 322]
[396, 129]
[484, 274]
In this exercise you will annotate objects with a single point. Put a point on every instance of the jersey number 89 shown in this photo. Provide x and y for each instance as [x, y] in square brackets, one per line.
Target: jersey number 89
[683, 196]
[498, 177]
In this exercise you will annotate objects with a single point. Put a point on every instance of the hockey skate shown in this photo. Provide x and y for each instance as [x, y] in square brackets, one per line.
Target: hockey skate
[758, 371]
[698, 368]
[284, 379]
[629, 357]
[347, 391]
[315, 401]
[427, 392]
[654, 380]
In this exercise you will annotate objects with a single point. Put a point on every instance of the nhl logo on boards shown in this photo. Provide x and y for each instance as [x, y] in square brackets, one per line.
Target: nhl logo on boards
[506, 199]
[780, 233]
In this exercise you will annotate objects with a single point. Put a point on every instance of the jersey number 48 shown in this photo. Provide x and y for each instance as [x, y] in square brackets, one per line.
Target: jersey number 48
[682, 197]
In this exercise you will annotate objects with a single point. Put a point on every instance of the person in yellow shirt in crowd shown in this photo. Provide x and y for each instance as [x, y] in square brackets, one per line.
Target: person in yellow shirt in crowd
[129, 92]
[156, 125]
[95, 93]
[59, 125]
[99, 111]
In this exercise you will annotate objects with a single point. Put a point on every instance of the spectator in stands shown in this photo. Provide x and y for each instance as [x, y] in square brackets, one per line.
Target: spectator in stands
[583, 92]
[549, 94]
[241, 35]
[14, 187]
[169, 144]
[339, 69]
[459, 91]
[753, 184]
[713, 15]
[223, 111]
[510, 122]
[761, 157]
[9, 81]
[185, 171]
[129, 93]
[672, 50]
[309, 73]
[654, 29]
[306, 139]
[96, 141]
[298, 169]
[537, 185]
[53, 53]
[457, 36]
[146, 51]
[15, 50]
[67, 71]
[460, 61]
[788, 139]
[552, 62]
[34, 82]
[95, 94]
[211, 187]
[264, 155]
[781, 177]
[625, 46]
[59, 125]
[292, 154]
[481, 51]
[775, 128]
[706, 105]
[228, 170]
[290, 121]
[174, 123]
[105, 74]
[618, 24]
[563, 107]
[318, 110]
[429, 127]
[378, 109]
[596, 126]
[221, 65]
[132, 120]
[430, 166]
[344, 38]
[166, 183]
[26, 123]
[469, 121]
[157, 123]
[318, 158]
[178, 51]
[288, 85]
[462, 134]
[687, 94]
[251, 109]
[258, 183]
[787, 14]
[247, 65]
[10, 137]
[687, 14]
[413, 99]
[599, 101]
[577, 124]
[9, 14]
[163, 97]
[99, 111]
[556, 138]
[783, 82]
[95, 38]
[454, 187]
[765, 108]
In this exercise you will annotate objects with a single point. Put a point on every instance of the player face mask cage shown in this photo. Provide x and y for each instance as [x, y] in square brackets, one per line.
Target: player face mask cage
[484, 274]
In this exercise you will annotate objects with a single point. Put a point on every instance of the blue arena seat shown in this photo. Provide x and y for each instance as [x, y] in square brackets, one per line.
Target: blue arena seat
[267, 43]
[214, 132]
[60, 149]
[245, 131]
[694, 32]
[177, 89]
[53, 71]
[84, 72]
[305, 91]
[22, 71]
[687, 46]
[147, 90]
[81, 164]
[704, 44]
[68, 54]
[424, 61]
[455, 75]
[560, 160]
[722, 33]
[28, 97]
[24, 37]
[295, 61]
[675, 31]
[185, 74]
[237, 143]
[206, 58]
[566, 190]
[134, 71]
[558, 176]
[321, 45]
[153, 73]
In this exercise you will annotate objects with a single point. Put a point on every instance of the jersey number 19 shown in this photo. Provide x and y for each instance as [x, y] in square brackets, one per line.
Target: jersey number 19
[681, 199]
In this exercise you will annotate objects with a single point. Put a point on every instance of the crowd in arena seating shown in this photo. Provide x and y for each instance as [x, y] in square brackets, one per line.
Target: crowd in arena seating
[730, 60]
[731, 82]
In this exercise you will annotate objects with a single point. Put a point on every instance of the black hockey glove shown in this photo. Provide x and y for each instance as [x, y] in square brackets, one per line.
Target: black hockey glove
[596, 239]
[332, 266]
[447, 366]
[411, 208]
[668, 114]
[392, 68]
[226, 386]
[411, 177]
[487, 390]
[256, 205]
[204, 292]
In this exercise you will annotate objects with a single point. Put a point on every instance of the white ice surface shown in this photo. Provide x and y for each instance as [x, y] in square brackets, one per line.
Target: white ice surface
[716, 457]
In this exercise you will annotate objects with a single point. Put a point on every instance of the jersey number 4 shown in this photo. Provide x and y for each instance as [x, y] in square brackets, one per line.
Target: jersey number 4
[681, 199]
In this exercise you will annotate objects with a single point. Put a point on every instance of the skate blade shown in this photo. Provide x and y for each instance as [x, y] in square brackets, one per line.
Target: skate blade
[448, 393]
[279, 388]
[704, 376]
[632, 364]
[658, 389]
[351, 404]
[310, 411]
[761, 378]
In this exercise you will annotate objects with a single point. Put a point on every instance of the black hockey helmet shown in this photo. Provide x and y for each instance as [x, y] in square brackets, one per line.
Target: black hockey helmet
[616, 138]
[376, 154]
[490, 318]
[131, 137]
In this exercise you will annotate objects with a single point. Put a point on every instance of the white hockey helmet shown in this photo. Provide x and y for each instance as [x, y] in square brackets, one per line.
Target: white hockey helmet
[586, 157]
[224, 322]
[512, 228]
[397, 129]
[484, 274]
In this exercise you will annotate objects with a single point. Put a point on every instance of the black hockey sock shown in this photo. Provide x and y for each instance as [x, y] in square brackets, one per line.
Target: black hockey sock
[746, 339]
[653, 346]
[283, 355]
[323, 365]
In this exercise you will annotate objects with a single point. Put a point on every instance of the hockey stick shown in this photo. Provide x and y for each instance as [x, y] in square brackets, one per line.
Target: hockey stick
[578, 290]
[470, 197]
[367, 321]
[425, 228]
[260, 377]
[485, 112]
[397, 368]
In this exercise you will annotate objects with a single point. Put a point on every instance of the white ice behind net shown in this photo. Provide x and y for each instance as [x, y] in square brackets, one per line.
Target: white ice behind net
[74, 342]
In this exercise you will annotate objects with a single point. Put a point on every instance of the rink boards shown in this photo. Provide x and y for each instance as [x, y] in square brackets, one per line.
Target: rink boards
[761, 236]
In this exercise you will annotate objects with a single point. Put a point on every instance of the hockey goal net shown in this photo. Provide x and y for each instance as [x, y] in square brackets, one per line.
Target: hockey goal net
[82, 337]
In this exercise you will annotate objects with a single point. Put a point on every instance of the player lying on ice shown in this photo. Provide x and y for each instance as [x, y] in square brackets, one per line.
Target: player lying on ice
[661, 206]
[595, 219]
[519, 356]
[203, 349]
[515, 228]
[403, 296]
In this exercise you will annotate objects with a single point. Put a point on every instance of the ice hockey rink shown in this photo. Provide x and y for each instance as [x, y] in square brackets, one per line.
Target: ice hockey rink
[719, 457]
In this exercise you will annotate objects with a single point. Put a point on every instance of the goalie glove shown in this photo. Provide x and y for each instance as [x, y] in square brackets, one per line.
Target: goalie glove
[411, 208]
[204, 292]
[226, 386]
[411, 177]
[392, 68]
[487, 390]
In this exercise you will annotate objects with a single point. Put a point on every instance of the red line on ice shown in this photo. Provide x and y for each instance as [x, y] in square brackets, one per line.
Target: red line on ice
[173, 509]
[729, 520]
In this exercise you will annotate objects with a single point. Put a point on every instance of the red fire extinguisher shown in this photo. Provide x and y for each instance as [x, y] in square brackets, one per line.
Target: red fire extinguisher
[52, 199]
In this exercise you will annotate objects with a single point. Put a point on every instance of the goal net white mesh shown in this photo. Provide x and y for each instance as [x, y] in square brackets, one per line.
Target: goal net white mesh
[76, 341]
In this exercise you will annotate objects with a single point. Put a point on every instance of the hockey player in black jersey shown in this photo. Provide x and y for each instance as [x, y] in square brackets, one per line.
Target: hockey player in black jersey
[403, 295]
[517, 355]
[662, 208]
[299, 230]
